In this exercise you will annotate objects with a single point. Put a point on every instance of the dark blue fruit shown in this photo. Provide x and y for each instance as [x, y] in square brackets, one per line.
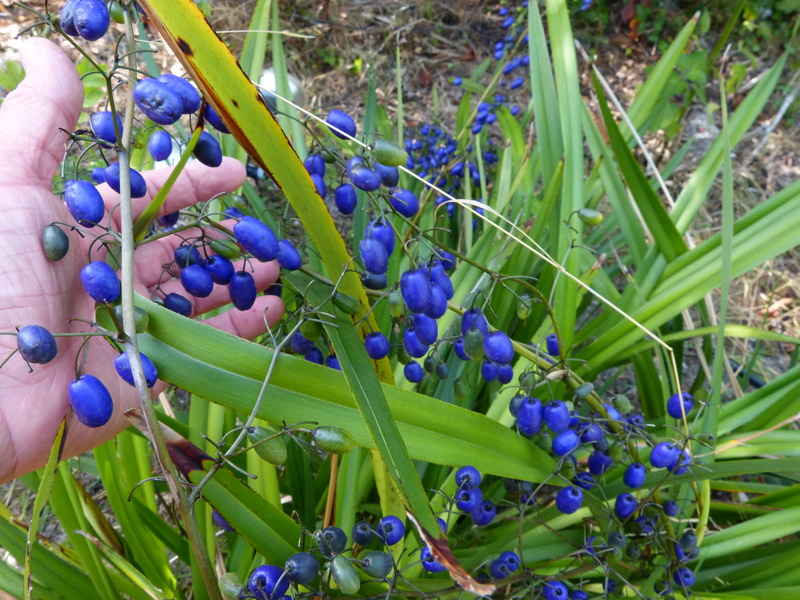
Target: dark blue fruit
[552, 345]
[390, 176]
[413, 345]
[376, 345]
[474, 318]
[301, 568]
[123, 366]
[103, 126]
[468, 477]
[555, 590]
[36, 344]
[67, 16]
[664, 454]
[468, 500]
[100, 282]
[315, 356]
[189, 95]
[429, 563]
[505, 373]
[569, 499]
[179, 304]
[438, 302]
[556, 416]
[267, 582]
[565, 442]
[84, 202]
[671, 508]
[365, 178]
[342, 122]
[380, 229]
[498, 347]
[489, 370]
[625, 505]
[345, 198]
[220, 269]
[416, 290]
[207, 150]
[243, 290]
[484, 513]
[373, 255]
[90, 400]
[91, 19]
[585, 480]
[439, 276]
[599, 463]
[138, 184]
[160, 145]
[413, 371]
[634, 475]
[374, 281]
[288, 256]
[530, 416]
[187, 255]
[213, 119]
[363, 533]
[158, 101]
[331, 541]
[426, 328]
[332, 361]
[391, 529]
[170, 219]
[674, 405]
[257, 238]
[197, 281]
[404, 202]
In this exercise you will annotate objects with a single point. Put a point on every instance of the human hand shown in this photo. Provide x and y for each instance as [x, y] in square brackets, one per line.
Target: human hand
[35, 290]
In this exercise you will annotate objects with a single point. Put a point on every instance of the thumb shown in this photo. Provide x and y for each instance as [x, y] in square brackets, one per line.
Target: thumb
[50, 98]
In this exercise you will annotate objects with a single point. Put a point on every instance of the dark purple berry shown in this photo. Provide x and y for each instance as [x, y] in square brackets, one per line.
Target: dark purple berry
[100, 282]
[158, 101]
[160, 145]
[189, 95]
[179, 304]
[288, 256]
[376, 345]
[332, 362]
[342, 122]
[84, 202]
[243, 290]
[197, 281]
[36, 344]
[123, 366]
[170, 219]
[257, 238]
[207, 150]
[90, 400]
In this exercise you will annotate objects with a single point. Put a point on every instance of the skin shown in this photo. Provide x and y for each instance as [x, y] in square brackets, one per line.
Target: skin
[35, 290]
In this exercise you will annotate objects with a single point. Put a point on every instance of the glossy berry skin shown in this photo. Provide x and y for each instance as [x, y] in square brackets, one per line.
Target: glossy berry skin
[377, 345]
[102, 123]
[91, 19]
[207, 150]
[681, 464]
[243, 290]
[484, 513]
[179, 304]
[474, 318]
[373, 255]
[416, 290]
[187, 255]
[315, 356]
[84, 202]
[377, 564]
[381, 230]
[425, 328]
[458, 347]
[468, 478]
[36, 344]
[100, 282]
[197, 281]
[301, 568]
[257, 238]
[263, 582]
[530, 416]
[90, 400]
[390, 176]
[374, 281]
[391, 529]
[220, 269]
[365, 178]
[67, 16]
[189, 95]
[331, 541]
[213, 119]
[439, 276]
[578, 595]
[498, 347]
[301, 344]
[511, 559]
[684, 577]
[315, 164]
[599, 463]
[625, 505]
[345, 198]
[413, 346]
[429, 563]
[413, 372]
[565, 442]
[438, 305]
[170, 219]
[555, 590]
[468, 500]
[123, 366]
[488, 370]
[663, 454]
[341, 121]
[288, 256]
[552, 344]
[569, 499]
[674, 405]
[585, 480]
[404, 202]
[138, 184]
[332, 362]
[158, 101]
[556, 416]
[591, 433]
[671, 508]
[363, 533]
[634, 475]
[160, 145]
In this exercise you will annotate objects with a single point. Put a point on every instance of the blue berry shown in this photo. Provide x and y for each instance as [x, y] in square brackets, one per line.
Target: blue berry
[197, 281]
[468, 477]
[342, 122]
[91, 19]
[552, 345]
[468, 500]
[578, 595]
[179, 304]
[474, 318]
[190, 97]
[498, 347]
[554, 590]
[170, 219]
[457, 81]
[425, 328]
[505, 373]
[36, 344]
[243, 290]
[625, 505]
[413, 372]
[98, 175]
[585, 480]
[138, 184]
[220, 269]
[674, 405]
[391, 529]
[363, 533]
[364, 178]
[599, 463]
[187, 254]
[331, 541]
[488, 370]
[102, 123]
[100, 282]
[458, 347]
[214, 119]
[416, 290]
[634, 475]
[257, 238]
[320, 185]
[67, 16]
[376, 345]
[530, 416]
[438, 276]
[663, 454]
[267, 583]
[380, 229]
[681, 463]
[332, 362]
[373, 255]
[314, 356]
[565, 442]
[671, 508]
[315, 164]
[84, 202]
[429, 563]
[207, 150]
[404, 202]
[374, 281]
[438, 305]
[569, 499]
[345, 199]
[556, 416]
[301, 568]
[288, 256]
[591, 433]
[90, 400]
[390, 176]
[412, 344]
[123, 366]
[158, 101]
[484, 513]
[683, 577]
[511, 559]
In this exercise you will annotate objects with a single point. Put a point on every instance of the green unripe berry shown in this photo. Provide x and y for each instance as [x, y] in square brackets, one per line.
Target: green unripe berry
[524, 305]
[567, 470]
[226, 247]
[231, 586]
[616, 451]
[311, 329]
[345, 575]
[430, 364]
[460, 388]
[442, 370]
[116, 11]
[396, 305]
[346, 304]
[141, 319]
[526, 380]
[328, 152]
[333, 439]
[273, 450]
[388, 153]
[583, 390]
[590, 216]
[622, 404]
[55, 242]
[473, 343]
[544, 441]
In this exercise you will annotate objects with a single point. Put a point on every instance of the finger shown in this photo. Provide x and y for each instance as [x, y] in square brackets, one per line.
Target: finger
[48, 99]
[252, 322]
[196, 183]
